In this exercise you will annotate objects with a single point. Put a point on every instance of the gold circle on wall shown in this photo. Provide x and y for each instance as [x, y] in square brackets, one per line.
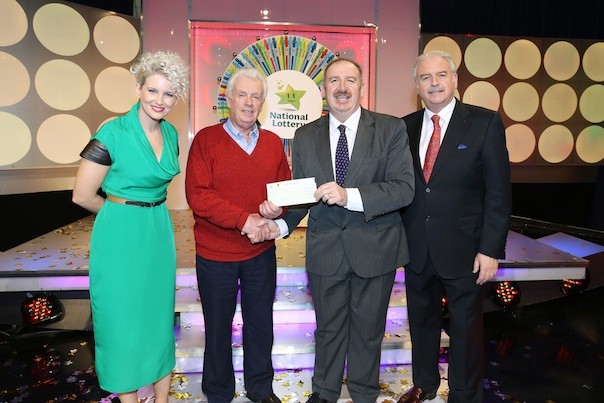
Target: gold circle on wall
[105, 121]
[593, 61]
[482, 93]
[556, 143]
[13, 23]
[15, 82]
[62, 84]
[561, 60]
[61, 29]
[15, 138]
[559, 102]
[520, 141]
[591, 103]
[445, 44]
[116, 39]
[115, 89]
[62, 137]
[483, 57]
[520, 101]
[590, 144]
[522, 59]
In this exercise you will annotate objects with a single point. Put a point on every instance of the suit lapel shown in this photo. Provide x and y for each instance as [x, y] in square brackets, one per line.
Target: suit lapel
[364, 137]
[323, 147]
[455, 131]
[414, 130]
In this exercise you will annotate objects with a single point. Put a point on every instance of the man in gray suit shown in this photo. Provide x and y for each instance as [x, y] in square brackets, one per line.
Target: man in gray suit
[355, 239]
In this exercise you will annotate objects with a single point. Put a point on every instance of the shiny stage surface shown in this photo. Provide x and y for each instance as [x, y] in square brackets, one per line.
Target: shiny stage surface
[58, 260]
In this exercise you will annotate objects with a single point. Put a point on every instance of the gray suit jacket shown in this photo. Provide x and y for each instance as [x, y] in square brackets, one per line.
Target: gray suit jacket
[373, 241]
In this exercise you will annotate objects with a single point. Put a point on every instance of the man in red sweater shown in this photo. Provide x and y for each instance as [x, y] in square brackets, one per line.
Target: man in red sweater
[228, 167]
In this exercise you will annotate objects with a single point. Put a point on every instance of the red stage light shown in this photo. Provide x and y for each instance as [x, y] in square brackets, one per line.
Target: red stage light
[41, 308]
[506, 295]
[572, 286]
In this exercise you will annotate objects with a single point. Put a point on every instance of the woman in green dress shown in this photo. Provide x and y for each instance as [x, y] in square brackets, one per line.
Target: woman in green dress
[133, 158]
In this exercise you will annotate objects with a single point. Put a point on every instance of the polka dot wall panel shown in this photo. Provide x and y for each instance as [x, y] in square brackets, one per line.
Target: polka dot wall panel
[549, 92]
[64, 70]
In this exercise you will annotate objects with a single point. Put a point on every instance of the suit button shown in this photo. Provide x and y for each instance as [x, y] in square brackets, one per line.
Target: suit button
[428, 190]
[428, 218]
[343, 228]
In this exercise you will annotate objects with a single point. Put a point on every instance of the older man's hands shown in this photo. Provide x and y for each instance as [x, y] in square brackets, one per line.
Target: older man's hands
[259, 229]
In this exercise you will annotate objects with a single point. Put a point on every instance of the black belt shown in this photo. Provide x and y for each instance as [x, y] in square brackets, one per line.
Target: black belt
[134, 202]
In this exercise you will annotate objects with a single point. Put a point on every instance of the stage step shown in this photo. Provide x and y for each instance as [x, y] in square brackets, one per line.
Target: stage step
[293, 304]
[295, 386]
[293, 347]
[292, 276]
[294, 322]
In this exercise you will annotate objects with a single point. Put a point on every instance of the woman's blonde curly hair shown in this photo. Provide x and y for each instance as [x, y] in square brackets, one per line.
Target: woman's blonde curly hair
[169, 64]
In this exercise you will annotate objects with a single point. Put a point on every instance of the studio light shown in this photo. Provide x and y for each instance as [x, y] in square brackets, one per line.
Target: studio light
[574, 286]
[41, 308]
[506, 295]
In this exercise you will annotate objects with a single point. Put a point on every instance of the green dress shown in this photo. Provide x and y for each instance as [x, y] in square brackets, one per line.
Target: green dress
[133, 260]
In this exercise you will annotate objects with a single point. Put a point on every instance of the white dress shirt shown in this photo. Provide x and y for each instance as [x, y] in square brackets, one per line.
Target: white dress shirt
[428, 126]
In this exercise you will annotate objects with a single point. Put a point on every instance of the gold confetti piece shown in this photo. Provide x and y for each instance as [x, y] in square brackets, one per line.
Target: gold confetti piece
[299, 384]
[180, 395]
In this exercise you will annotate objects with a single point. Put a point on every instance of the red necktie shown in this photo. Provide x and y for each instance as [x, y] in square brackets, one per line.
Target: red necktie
[432, 150]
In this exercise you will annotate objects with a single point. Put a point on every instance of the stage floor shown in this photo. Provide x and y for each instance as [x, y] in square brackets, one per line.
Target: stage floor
[550, 352]
[58, 260]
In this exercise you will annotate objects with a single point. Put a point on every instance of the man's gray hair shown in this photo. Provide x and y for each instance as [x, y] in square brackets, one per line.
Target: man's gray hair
[249, 73]
[433, 53]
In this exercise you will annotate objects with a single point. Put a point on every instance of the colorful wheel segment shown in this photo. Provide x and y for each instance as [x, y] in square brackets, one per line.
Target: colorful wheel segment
[276, 53]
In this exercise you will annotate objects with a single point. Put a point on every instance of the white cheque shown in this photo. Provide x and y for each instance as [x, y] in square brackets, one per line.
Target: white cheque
[291, 193]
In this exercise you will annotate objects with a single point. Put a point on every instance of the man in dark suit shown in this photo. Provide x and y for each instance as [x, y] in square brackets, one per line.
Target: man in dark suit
[355, 238]
[457, 225]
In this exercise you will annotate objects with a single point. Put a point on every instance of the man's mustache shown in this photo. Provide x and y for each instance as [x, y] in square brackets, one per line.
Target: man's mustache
[434, 89]
[340, 93]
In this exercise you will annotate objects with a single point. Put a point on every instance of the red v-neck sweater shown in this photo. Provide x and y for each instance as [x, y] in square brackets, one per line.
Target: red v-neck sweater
[224, 185]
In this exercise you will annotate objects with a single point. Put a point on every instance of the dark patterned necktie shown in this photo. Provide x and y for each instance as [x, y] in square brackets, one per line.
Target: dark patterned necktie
[432, 150]
[341, 156]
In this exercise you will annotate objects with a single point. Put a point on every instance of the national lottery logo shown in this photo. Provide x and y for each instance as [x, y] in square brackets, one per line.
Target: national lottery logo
[293, 100]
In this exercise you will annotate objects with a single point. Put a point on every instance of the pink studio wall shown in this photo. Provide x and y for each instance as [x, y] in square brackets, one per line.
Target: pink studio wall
[165, 26]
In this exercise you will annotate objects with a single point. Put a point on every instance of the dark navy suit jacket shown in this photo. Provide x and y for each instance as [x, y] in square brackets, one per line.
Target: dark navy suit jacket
[466, 206]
